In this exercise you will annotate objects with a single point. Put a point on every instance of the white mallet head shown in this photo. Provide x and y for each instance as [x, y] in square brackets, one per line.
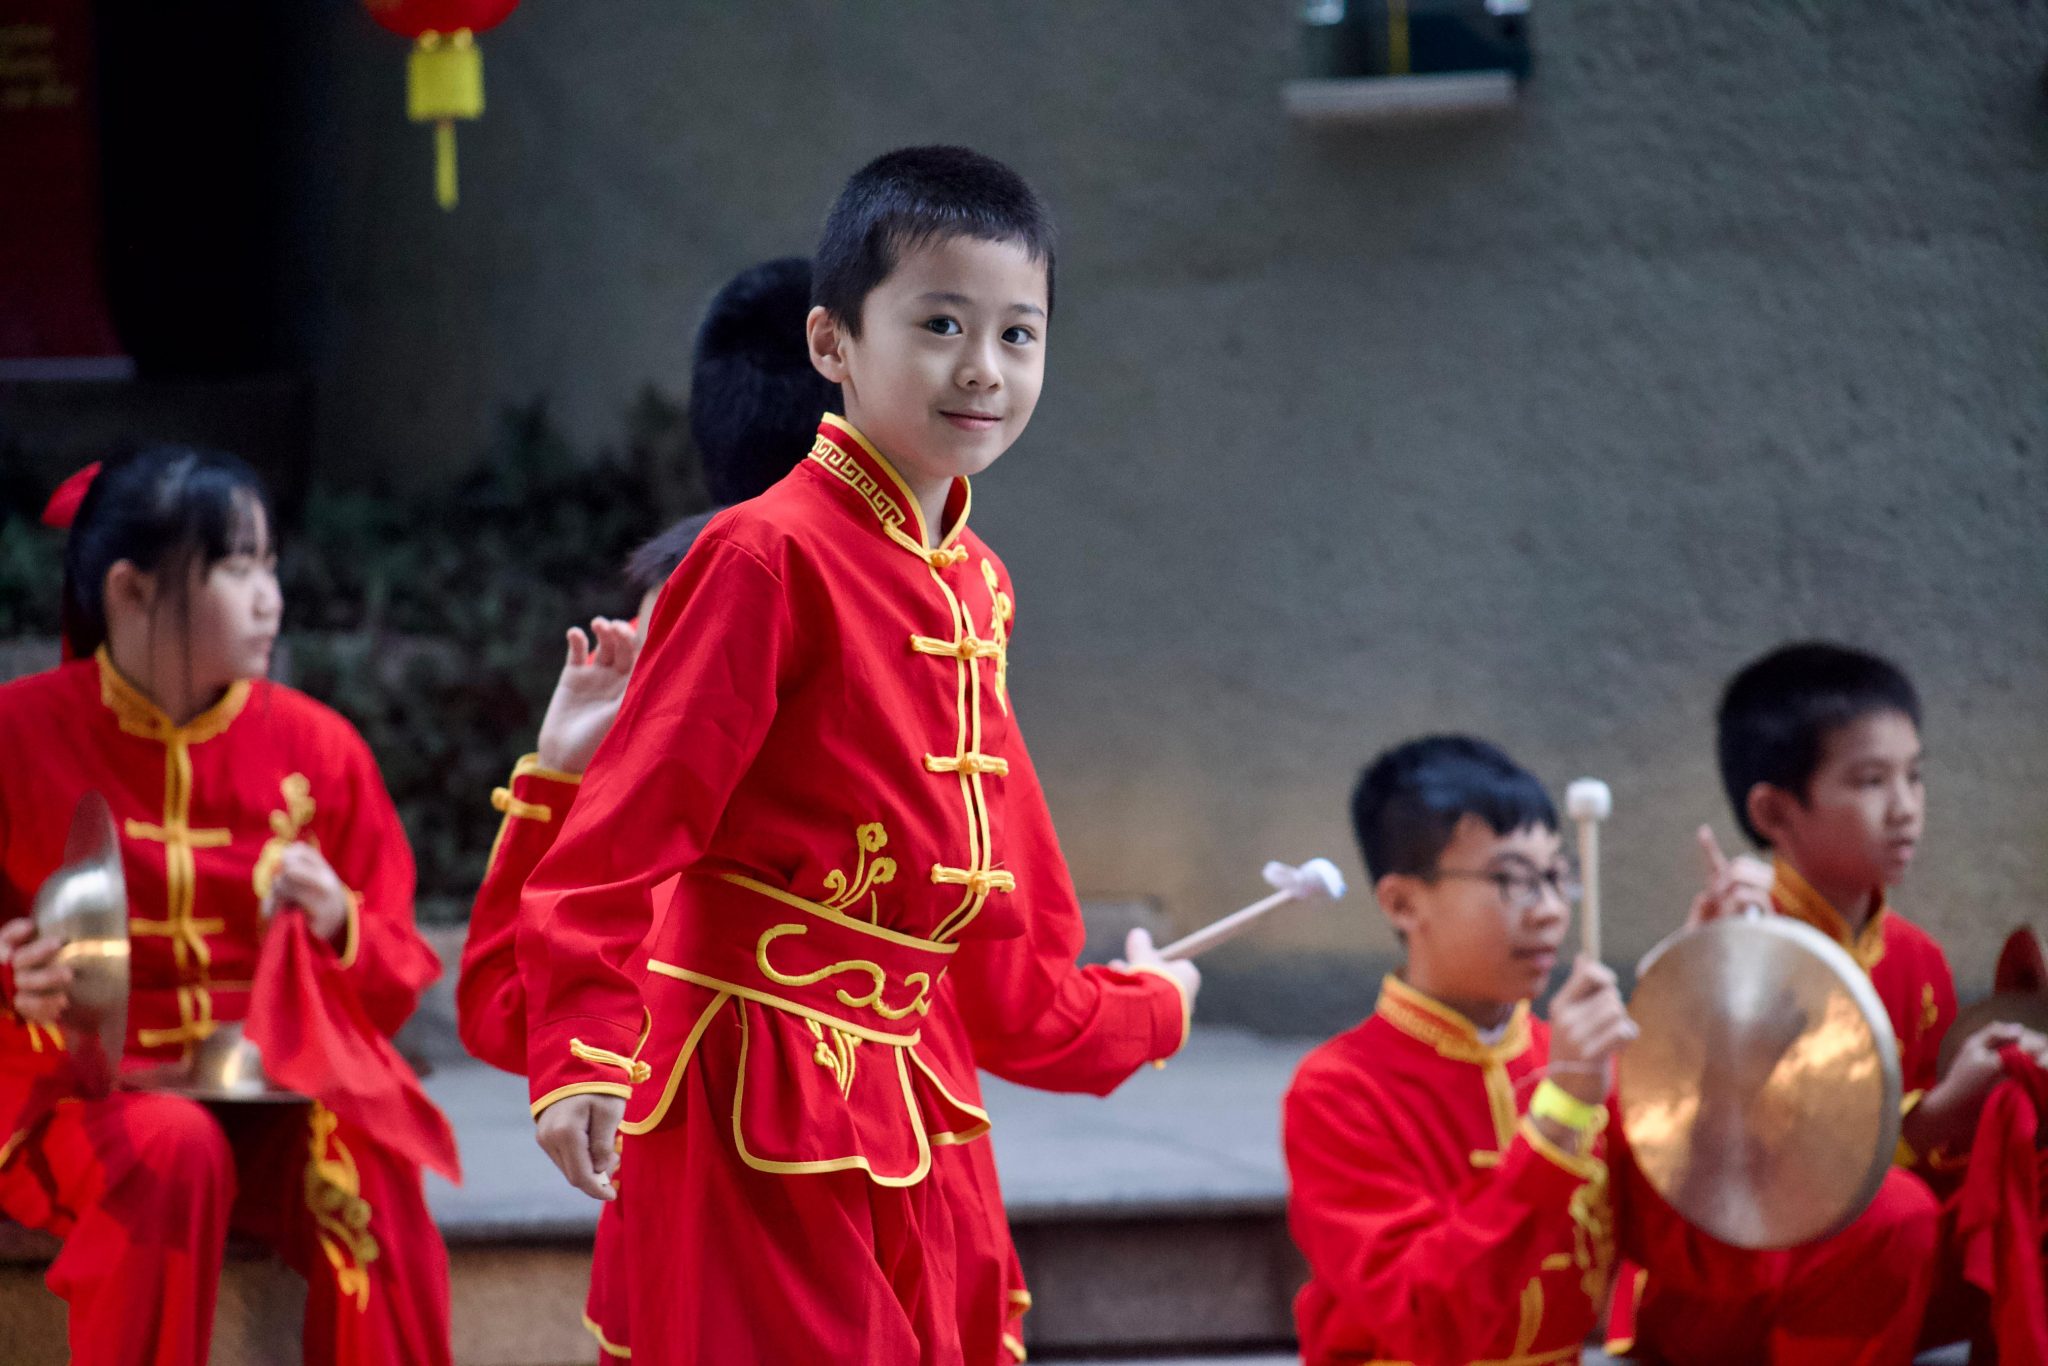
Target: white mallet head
[1589, 799]
[1316, 878]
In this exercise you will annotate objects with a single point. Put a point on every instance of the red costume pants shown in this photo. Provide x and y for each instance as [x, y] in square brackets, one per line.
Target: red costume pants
[1856, 1299]
[730, 1264]
[143, 1189]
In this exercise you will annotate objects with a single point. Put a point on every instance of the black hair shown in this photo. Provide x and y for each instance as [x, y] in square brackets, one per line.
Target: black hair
[1409, 801]
[651, 563]
[755, 397]
[910, 198]
[164, 508]
[1777, 713]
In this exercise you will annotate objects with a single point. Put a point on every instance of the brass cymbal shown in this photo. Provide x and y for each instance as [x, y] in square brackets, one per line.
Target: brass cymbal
[225, 1068]
[85, 904]
[1761, 1097]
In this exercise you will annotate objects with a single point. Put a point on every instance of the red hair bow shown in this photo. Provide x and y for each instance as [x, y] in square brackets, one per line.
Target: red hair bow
[62, 509]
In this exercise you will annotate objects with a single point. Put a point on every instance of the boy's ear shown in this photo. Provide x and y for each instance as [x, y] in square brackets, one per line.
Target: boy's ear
[827, 340]
[127, 588]
[1771, 811]
[1400, 898]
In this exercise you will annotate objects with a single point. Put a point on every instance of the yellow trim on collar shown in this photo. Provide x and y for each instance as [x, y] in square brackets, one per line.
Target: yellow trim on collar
[139, 716]
[1797, 898]
[1453, 1036]
[903, 495]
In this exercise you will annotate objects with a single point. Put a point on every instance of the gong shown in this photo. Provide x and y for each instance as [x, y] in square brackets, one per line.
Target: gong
[1761, 1097]
[85, 905]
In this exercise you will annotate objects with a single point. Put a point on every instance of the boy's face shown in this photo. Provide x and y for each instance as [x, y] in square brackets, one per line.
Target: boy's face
[1860, 822]
[949, 360]
[1487, 928]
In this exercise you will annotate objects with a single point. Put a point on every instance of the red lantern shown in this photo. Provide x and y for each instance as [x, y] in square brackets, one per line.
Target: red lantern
[444, 80]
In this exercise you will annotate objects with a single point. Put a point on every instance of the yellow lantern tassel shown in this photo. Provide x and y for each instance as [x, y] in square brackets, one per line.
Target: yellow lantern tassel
[444, 163]
[444, 81]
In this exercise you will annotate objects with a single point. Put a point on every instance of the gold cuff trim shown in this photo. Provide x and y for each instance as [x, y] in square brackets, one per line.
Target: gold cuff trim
[1582, 1165]
[352, 940]
[636, 1071]
[1015, 1346]
[1187, 1004]
[581, 1088]
[530, 766]
[605, 1344]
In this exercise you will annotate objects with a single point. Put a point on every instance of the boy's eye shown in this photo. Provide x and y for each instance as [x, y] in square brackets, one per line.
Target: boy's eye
[1020, 336]
[944, 327]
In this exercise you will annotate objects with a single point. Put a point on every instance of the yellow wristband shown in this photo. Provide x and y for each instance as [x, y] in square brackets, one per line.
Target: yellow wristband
[1554, 1103]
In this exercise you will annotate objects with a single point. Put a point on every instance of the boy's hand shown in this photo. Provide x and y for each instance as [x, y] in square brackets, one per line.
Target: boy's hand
[42, 985]
[306, 879]
[1946, 1117]
[587, 695]
[581, 1135]
[1139, 951]
[1733, 885]
[1588, 1026]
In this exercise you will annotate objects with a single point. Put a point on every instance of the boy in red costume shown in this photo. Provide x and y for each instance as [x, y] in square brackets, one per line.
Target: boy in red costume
[819, 743]
[233, 796]
[1445, 1158]
[1819, 749]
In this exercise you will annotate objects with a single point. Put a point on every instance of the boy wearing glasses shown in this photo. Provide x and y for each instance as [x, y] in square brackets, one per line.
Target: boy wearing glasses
[1447, 1181]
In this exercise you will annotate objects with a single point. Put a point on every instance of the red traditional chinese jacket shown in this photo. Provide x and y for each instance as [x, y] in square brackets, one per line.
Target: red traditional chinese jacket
[1440, 1226]
[204, 811]
[818, 740]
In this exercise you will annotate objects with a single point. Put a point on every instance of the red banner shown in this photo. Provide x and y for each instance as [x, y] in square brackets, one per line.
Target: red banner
[53, 302]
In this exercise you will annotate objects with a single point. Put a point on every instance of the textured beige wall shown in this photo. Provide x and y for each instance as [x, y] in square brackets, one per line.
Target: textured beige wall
[1535, 426]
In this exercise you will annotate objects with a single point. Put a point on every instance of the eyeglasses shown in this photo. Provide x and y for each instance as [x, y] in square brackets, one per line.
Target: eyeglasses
[1521, 889]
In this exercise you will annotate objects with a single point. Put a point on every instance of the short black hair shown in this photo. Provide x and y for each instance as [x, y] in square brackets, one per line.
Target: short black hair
[1409, 801]
[755, 397]
[915, 196]
[1777, 713]
[656, 558]
[164, 508]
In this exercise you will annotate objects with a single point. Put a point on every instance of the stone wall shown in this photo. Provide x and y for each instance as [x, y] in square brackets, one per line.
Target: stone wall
[1536, 425]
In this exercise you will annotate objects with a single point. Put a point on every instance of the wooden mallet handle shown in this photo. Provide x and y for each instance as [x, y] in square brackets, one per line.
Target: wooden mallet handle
[1589, 801]
[1316, 878]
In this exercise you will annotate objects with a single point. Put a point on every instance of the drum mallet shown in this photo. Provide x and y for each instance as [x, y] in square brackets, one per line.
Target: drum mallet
[1589, 802]
[1315, 879]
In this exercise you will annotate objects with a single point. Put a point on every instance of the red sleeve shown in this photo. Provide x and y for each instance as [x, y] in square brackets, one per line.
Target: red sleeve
[1033, 1016]
[695, 714]
[1415, 1270]
[490, 998]
[382, 954]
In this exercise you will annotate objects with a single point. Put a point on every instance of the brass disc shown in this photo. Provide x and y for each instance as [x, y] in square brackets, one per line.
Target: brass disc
[2008, 1007]
[85, 904]
[1761, 1098]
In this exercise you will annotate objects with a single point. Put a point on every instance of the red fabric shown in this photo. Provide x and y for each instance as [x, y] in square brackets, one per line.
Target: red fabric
[1856, 1299]
[143, 1189]
[414, 17]
[316, 1040]
[1998, 1222]
[826, 680]
[1437, 1229]
[203, 811]
[199, 809]
[62, 509]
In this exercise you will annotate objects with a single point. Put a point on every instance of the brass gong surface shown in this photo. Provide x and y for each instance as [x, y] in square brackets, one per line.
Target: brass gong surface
[1761, 1097]
[225, 1068]
[85, 904]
